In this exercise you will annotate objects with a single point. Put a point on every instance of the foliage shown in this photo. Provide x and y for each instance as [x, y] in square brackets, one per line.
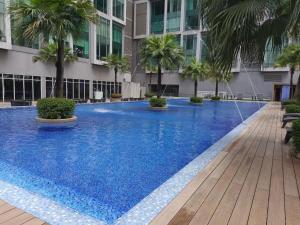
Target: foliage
[196, 100]
[290, 102]
[292, 109]
[215, 98]
[296, 134]
[158, 102]
[55, 108]
[149, 95]
[117, 63]
[289, 57]
[194, 71]
[49, 54]
[115, 95]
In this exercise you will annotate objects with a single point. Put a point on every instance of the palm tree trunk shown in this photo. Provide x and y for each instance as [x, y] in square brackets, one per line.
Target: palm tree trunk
[291, 83]
[116, 78]
[159, 89]
[217, 88]
[59, 91]
[196, 88]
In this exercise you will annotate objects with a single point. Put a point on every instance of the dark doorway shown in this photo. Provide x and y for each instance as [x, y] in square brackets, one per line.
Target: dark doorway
[168, 90]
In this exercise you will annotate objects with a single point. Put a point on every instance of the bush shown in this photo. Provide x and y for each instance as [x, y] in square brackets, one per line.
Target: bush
[116, 95]
[296, 135]
[196, 100]
[149, 95]
[290, 102]
[158, 102]
[55, 108]
[215, 98]
[292, 109]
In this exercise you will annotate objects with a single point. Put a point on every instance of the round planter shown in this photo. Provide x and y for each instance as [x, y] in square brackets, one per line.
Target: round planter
[196, 104]
[158, 108]
[115, 99]
[57, 123]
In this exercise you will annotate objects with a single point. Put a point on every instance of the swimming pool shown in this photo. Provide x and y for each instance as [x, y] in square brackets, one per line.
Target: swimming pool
[116, 155]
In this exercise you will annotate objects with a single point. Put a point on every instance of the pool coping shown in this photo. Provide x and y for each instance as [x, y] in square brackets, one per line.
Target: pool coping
[142, 213]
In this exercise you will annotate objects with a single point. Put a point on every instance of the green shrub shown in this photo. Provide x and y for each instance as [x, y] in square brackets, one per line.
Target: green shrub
[296, 135]
[149, 95]
[292, 109]
[158, 102]
[55, 108]
[196, 100]
[290, 102]
[215, 98]
[116, 95]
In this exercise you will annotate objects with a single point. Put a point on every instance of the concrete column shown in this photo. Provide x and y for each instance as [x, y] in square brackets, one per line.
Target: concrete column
[43, 87]
[91, 89]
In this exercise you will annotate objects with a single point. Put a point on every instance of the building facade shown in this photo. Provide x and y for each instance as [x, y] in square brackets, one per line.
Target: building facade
[181, 18]
[123, 24]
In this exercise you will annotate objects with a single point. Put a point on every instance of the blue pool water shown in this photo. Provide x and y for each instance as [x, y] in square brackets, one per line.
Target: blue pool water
[115, 156]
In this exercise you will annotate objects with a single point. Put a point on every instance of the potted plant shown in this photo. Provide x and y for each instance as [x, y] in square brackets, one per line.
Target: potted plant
[292, 109]
[196, 100]
[54, 112]
[149, 95]
[215, 98]
[158, 103]
[115, 97]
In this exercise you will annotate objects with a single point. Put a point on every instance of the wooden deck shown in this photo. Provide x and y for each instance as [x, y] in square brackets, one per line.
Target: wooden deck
[253, 181]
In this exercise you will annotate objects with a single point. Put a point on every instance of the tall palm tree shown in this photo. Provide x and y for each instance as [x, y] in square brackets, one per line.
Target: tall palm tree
[49, 54]
[164, 52]
[151, 69]
[247, 27]
[290, 57]
[56, 18]
[118, 64]
[194, 71]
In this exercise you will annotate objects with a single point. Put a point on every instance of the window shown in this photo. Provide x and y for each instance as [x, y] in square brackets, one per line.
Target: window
[2, 20]
[118, 9]
[191, 15]
[174, 12]
[157, 16]
[19, 87]
[272, 54]
[101, 5]
[204, 50]
[117, 39]
[81, 45]
[190, 46]
[103, 38]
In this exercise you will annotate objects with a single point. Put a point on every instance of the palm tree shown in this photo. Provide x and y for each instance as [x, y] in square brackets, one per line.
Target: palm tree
[151, 69]
[246, 27]
[164, 52]
[49, 54]
[290, 57]
[118, 64]
[56, 18]
[194, 71]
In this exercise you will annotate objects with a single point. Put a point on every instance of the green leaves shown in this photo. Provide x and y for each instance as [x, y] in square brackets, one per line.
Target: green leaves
[117, 63]
[195, 70]
[55, 108]
[289, 57]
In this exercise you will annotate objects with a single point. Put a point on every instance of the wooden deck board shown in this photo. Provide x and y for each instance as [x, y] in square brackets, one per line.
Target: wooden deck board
[255, 181]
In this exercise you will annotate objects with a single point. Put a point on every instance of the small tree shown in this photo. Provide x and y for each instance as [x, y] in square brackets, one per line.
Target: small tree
[118, 64]
[56, 18]
[290, 57]
[194, 71]
[164, 52]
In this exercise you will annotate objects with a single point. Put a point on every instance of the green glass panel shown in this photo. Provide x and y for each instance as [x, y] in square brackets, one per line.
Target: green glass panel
[272, 54]
[81, 44]
[2, 20]
[157, 16]
[101, 5]
[174, 12]
[118, 9]
[190, 46]
[117, 39]
[191, 15]
[103, 38]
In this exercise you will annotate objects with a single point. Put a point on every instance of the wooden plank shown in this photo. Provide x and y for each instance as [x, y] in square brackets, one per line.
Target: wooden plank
[10, 215]
[5, 208]
[18, 220]
[292, 205]
[34, 221]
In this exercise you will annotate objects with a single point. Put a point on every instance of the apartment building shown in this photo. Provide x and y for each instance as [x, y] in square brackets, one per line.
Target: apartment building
[181, 18]
[123, 25]
[21, 78]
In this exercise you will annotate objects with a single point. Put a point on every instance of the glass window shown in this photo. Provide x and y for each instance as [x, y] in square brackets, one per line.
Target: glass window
[19, 87]
[190, 46]
[87, 89]
[28, 87]
[272, 54]
[70, 88]
[103, 38]
[117, 39]
[49, 86]
[2, 20]
[81, 45]
[8, 87]
[191, 15]
[157, 16]
[118, 9]
[76, 89]
[37, 88]
[174, 12]
[204, 50]
[1, 88]
[101, 5]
